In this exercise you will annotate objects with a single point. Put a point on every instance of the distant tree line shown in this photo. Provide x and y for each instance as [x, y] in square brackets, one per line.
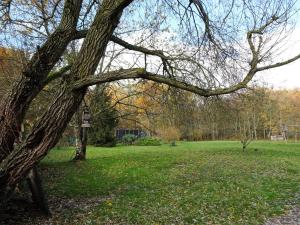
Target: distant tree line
[176, 114]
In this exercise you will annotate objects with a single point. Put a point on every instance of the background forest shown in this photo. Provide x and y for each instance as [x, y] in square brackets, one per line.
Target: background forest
[182, 115]
[171, 114]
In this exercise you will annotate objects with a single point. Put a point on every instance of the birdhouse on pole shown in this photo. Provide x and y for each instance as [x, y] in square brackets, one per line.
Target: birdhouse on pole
[86, 118]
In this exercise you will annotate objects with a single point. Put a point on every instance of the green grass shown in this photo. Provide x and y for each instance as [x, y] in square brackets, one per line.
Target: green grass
[192, 183]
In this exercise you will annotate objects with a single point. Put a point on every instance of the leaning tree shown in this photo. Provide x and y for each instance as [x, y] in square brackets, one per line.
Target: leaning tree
[206, 47]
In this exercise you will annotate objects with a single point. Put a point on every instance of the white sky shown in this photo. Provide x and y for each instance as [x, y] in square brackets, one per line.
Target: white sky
[287, 76]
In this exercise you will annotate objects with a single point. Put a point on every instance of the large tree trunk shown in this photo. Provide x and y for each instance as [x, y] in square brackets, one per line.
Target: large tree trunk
[43, 137]
[37, 191]
[14, 106]
[49, 128]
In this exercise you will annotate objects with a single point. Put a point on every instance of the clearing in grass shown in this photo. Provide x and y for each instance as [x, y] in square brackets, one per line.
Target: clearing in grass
[193, 183]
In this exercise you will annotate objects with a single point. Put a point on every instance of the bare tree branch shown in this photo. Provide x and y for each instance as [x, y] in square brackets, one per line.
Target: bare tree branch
[57, 74]
[278, 64]
[142, 73]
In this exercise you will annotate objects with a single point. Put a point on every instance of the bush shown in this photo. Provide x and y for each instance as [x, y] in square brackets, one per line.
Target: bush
[109, 142]
[169, 134]
[128, 139]
[148, 141]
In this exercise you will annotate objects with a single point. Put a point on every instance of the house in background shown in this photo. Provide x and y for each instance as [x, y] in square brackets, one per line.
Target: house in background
[121, 132]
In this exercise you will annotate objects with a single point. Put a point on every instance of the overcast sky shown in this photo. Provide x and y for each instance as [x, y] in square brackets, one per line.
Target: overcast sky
[287, 76]
[284, 77]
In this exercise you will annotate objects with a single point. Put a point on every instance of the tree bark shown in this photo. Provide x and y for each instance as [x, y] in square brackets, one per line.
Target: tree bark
[44, 136]
[49, 128]
[81, 136]
[37, 192]
[81, 151]
[14, 106]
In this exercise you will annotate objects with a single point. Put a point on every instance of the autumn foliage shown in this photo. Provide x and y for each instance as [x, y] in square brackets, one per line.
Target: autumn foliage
[178, 115]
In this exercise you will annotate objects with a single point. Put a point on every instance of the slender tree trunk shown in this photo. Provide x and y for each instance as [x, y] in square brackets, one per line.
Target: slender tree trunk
[49, 128]
[84, 142]
[81, 136]
[14, 106]
[255, 122]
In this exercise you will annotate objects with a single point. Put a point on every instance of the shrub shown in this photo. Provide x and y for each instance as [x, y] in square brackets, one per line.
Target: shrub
[170, 134]
[128, 139]
[109, 142]
[148, 141]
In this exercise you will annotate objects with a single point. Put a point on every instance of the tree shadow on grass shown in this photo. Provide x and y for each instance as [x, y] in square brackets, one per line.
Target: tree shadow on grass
[18, 210]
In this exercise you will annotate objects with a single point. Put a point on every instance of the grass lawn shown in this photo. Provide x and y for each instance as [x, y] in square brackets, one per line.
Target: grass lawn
[192, 183]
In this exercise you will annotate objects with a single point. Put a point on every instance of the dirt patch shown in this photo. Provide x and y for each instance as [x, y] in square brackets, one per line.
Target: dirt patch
[291, 218]
[24, 212]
